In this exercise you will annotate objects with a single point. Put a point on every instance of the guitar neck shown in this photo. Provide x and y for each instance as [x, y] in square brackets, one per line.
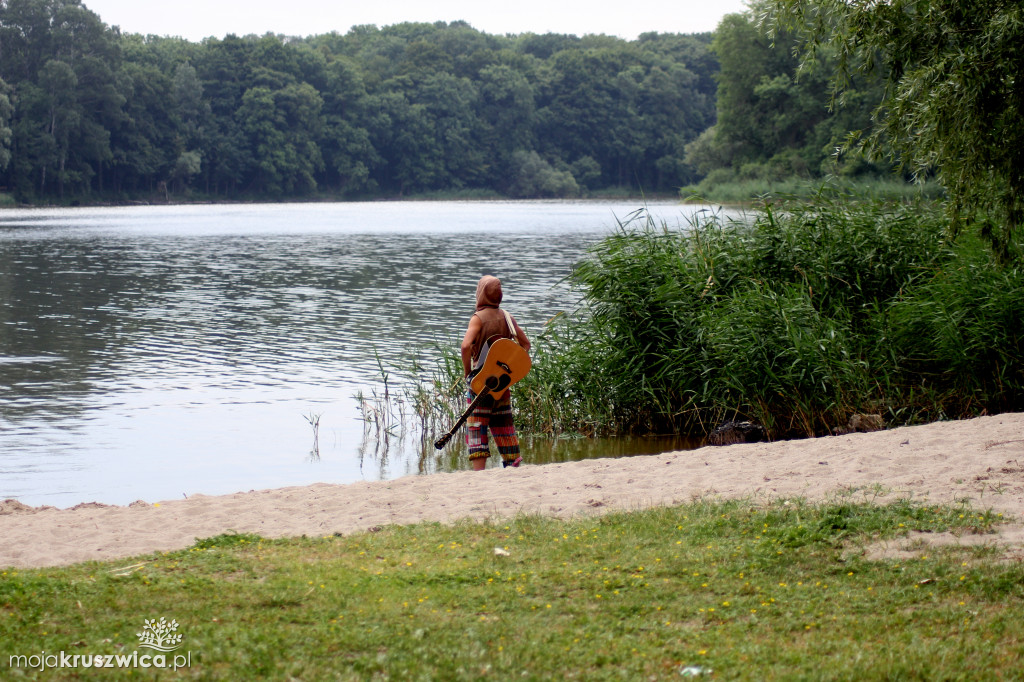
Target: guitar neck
[443, 440]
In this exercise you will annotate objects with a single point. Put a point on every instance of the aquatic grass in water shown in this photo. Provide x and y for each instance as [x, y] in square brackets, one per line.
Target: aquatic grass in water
[386, 419]
[313, 419]
[774, 344]
[797, 319]
[644, 291]
[438, 395]
[563, 393]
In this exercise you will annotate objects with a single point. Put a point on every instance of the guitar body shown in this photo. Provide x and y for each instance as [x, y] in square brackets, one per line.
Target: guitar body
[506, 363]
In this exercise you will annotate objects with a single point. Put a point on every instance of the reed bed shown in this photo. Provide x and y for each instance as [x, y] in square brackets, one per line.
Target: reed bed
[798, 318]
[726, 187]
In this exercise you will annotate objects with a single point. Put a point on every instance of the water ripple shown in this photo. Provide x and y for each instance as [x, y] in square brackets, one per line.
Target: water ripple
[150, 351]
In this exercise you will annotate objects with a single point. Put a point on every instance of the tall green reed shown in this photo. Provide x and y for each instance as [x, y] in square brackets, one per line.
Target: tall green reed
[959, 336]
[563, 393]
[796, 317]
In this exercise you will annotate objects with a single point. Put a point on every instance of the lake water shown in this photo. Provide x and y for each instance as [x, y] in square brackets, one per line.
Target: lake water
[158, 352]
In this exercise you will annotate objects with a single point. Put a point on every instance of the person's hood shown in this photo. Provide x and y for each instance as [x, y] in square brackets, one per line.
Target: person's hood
[488, 292]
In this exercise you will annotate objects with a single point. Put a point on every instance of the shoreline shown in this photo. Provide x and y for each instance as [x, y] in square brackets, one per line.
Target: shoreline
[980, 461]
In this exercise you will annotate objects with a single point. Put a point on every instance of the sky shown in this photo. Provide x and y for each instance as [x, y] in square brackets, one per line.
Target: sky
[198, 19]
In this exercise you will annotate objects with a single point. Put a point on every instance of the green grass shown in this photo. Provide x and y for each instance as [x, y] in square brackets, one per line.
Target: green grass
[754, 592]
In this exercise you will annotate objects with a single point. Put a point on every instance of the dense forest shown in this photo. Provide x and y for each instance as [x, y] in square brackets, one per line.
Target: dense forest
[90, 114]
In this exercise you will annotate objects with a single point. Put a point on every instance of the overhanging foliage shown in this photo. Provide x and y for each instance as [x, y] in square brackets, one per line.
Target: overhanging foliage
[954, 96]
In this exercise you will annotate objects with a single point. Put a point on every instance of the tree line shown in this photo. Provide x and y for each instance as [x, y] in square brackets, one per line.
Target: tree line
[90, 113]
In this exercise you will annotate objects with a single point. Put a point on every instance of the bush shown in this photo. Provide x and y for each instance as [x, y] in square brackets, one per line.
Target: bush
[530, 176]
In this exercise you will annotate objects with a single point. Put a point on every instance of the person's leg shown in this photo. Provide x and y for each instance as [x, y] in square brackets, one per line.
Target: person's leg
[476, 434]
[504, 431]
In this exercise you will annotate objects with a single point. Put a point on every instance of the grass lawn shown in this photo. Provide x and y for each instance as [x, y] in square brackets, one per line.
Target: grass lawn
[728, 590]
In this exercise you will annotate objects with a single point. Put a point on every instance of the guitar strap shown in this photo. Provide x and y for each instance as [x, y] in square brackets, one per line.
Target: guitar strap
[511, 326]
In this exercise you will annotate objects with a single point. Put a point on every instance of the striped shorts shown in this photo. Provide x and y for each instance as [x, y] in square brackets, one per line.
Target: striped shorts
[495, 419]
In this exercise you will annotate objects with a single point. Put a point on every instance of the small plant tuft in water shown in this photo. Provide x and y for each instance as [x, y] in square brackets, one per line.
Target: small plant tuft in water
[314, 421]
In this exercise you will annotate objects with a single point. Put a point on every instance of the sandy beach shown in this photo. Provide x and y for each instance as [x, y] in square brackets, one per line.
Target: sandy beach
[979, 460]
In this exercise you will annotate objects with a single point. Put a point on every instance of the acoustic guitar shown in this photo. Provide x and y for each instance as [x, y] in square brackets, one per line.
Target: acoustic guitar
[505, 364]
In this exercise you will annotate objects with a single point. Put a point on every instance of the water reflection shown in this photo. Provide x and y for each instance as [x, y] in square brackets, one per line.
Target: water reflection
[377, 450]
[153, 352]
